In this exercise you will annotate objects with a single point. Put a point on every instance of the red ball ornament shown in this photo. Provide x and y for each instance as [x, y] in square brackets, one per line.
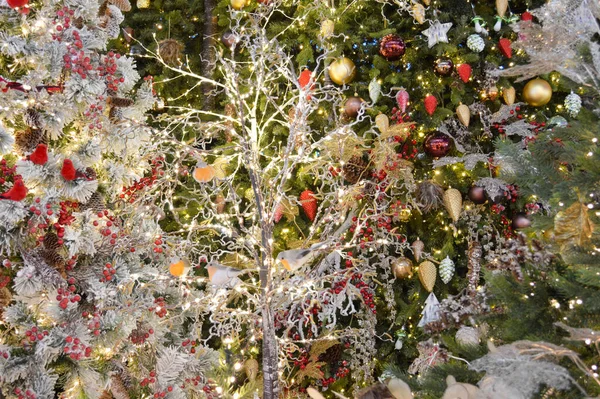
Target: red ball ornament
[352, 106]
[520, 221]
[438, 144]
[17, 3]
[228, 39]
[392, 47]
[477, 194]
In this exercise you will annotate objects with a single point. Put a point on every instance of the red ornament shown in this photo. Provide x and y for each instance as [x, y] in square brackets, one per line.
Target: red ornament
[278, 213]
[402, 99]
[477, 194]
[464, 71]
[504, 46]
[430, 104]
[392, 47]
[309, 204]
[438, 144]
[40, 155]
[17, 3]
[526, 16]
[305, 79]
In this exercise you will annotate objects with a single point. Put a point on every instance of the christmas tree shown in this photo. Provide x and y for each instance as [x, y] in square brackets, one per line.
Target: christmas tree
[317, 169]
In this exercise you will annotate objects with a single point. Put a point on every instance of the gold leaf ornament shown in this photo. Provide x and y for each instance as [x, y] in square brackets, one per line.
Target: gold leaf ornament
[573, 227]
[427, 275]
[251, 368]
[453, 203]
[464, 114]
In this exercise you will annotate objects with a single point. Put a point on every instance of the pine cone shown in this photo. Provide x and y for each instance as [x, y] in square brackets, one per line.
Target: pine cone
[170, 51]
[117, 387]
[90, 173]
[123, 5]
[333, 354]
[51, 242]
[27, 140]
[119, 101]
[5, 298]
[33, 119]
[115, 114]
[95, 203]
[106, 395]
[52, 258]
[355, 169]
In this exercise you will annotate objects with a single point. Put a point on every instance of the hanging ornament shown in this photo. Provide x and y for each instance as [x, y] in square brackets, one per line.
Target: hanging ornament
[17, 3]
[220, 204]
[309, 204]
[453, 203]
[374, 90]
[179, 268]
[526, 16]
[402, 268]
[203, 173]
[431, 311]
[474, 254]
[427, 275]
[426, 2]
[573, 104]
[417, 247]
[327, 28]
[501, 7]
[475, 43]
[352, 106]
[498, 25]
[557, 121]
[491, 93]
[170, 51]
[342, 71]
[382, 122]
[504, 46]
[392, 47]
[537, 92]
[477, 194]
[478, 24]
[443, 66]
[401, 334]
[467, 336]
[143, 3]
[437, 145]
[251, 367]
[430, 104]
[304, 78]
[402, 98]
[437, 33]
[418, 12]
[463, 114]
[520, 221]
[238, 4]
[446, 270]
[464, 71]
[509, 95]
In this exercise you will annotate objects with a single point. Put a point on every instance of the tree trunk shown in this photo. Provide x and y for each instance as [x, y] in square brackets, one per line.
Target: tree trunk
[270, 356]
[208, 52]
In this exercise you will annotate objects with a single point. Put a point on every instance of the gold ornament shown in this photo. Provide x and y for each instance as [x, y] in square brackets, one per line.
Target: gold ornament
[509, 95]
[251, 368]
[453, 203]
[143, 3]
[573, 227]
[463, 114]
[342, 71]
[402, 267]
[537, 92]
[427, 2]
[492, 93]
[418, 12]
[238, 4]
[404, 214]
[327, 28]
[179, 268]
[417, 247]
[501, 7]
[427, 275]
[220, 166]
[382, 122]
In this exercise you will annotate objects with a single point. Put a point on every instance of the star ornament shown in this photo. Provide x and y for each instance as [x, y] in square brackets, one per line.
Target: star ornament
[437, 33]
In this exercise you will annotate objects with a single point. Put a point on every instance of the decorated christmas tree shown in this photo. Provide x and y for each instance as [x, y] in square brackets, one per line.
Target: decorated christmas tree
[356, 199]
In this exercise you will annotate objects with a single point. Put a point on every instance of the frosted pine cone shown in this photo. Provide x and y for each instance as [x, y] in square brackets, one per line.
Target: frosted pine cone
[467, 336]
[95, 203]
[446, 270]
[573, 104]
[475, 43]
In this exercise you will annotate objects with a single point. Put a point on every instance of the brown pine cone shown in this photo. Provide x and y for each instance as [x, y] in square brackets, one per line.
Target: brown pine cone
[27, 140]
[95, 203]
[51, 242]
[5, 298]
[333, 354]
[106, 395]
[119, 101]
[117, 388]
[355, 169]
[33, 118]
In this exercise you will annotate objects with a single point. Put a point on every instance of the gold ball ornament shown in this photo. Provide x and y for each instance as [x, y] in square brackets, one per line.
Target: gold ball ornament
[178, 268]
[427, 275]
[404, 214]
[238, 4]
[537, 92]
[402, 267]
[342, 71]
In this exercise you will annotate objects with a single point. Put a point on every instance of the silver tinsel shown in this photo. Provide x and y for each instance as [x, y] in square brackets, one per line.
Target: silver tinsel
[475, 43]
[573, 104]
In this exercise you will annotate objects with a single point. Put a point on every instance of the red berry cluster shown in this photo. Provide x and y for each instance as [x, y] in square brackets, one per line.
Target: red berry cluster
[191, 343]
[75, 59]
[65, 215]
[107, 272]
[66, 295]
[70, 263]
[160, 307]
[498, 209]
[398, 116]
[76, 350]
[62, 22]
[105, 229]
[94, 324]
[7, 263]
[6, 173]
[94, 113]
[27, 394]
[162, 394]
[342, 371]
[139, 337]
[158, 242]
[151, 379]
[511, 193]
[108, 69]
[4, 354]
[365, 291]
[303, 359]
[532, 208]
[34, 334]
[157, 170]
[4, 280]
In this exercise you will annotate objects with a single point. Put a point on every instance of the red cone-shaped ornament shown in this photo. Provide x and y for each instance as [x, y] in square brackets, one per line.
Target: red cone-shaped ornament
[504, 46]
[464, 71]
[402, 99]
[309, 204]
[430, 104]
